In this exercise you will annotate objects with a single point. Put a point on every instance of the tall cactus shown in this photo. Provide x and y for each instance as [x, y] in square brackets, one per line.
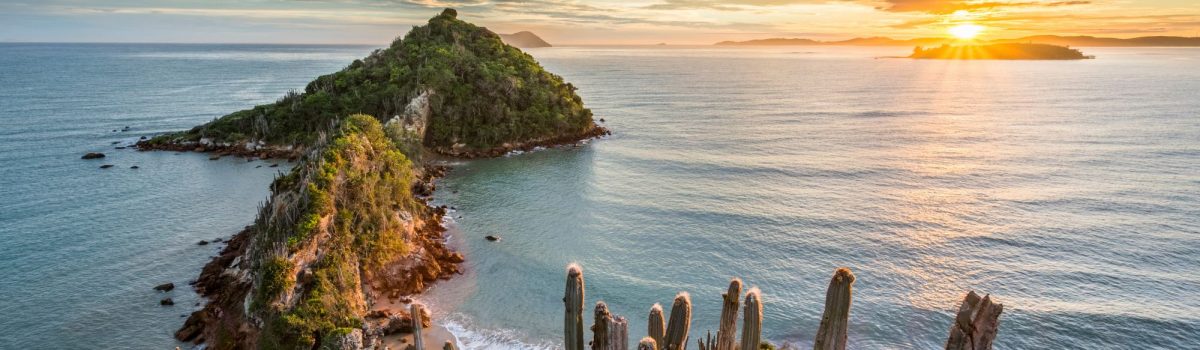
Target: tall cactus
[573, 302]
[681, 321]
[708, 342]
[647, 343]
[976, 323]
[610, 332]
[836, 320]
[657, 329]
[600, 327]
[418, 316]
[728, 327]
[752, 318]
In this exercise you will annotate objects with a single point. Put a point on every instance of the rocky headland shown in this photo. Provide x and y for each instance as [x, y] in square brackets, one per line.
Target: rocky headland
[350, 230]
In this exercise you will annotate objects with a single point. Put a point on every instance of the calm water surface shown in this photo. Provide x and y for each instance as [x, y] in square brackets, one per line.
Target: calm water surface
[1068, 190]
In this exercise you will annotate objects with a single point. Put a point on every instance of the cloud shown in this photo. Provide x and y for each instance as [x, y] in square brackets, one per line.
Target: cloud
[951, 6]
[727, 5]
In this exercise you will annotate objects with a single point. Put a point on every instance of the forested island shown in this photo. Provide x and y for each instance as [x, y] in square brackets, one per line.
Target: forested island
[999, 52]
[350, 226]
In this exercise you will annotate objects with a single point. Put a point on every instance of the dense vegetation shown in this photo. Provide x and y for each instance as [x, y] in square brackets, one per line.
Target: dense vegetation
[482, 94]
[340, 214]
[999, 52]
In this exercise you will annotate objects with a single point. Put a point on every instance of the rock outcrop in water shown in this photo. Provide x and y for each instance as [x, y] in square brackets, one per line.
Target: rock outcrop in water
[350, 225]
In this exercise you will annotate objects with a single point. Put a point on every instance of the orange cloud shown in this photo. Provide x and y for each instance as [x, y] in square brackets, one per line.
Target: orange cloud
[950, 6]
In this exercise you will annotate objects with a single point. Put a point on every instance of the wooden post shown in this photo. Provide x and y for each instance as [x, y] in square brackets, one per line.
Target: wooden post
[836, 320]
[647, 343]
[573, 302]
[726, 334]
[976, 324]
[417, 313]
[657, 325]
[679, 324]
[752, 320]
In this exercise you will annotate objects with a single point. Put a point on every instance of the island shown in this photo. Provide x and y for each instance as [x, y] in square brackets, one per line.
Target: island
[524, 40]
[349, 231]
[999, 52]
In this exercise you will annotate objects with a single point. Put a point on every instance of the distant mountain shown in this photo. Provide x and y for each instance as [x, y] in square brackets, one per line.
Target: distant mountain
[1174, 41]
[772, 42]
[524, 40]
[1087, 41]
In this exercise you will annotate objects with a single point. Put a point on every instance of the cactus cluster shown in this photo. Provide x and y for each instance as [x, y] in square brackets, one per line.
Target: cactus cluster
[974, 328]
[610, 332]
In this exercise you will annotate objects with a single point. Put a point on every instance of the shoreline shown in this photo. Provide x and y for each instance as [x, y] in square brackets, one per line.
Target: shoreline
[224, 285]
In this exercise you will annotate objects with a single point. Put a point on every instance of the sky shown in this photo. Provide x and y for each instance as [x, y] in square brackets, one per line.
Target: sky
[580, 22]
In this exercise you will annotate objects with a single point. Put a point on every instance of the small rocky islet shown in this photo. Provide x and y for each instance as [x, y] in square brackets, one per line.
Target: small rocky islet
[350, 227]
[1002, 51]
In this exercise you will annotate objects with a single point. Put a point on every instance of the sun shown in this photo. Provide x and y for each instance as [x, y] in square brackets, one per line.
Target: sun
[966, 31]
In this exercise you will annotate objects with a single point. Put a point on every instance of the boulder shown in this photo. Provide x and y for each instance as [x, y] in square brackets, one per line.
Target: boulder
[165, 287]
[134, 167]
[492, 238]
[202, 242]
[106, 166]
[166, 302]
[93, 155]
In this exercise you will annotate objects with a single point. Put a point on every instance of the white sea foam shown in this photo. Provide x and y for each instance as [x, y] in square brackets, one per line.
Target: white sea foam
[470, 338]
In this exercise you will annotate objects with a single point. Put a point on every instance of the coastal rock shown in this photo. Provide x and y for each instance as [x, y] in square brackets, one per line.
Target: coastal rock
[398, 324]
[93, 155]
[166, 302]
[135, 167]
[492, 238]
[192, 327]
[344, 340]
[214, 157]
[202, 242]
[165, 287]
[106, 166]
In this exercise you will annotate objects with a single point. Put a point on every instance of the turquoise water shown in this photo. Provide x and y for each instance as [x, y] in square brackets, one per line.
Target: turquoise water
[1068, 190]
[81, 247]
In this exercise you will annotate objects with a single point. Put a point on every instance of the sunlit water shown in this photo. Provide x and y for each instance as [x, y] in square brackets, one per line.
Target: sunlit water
[1070, 191]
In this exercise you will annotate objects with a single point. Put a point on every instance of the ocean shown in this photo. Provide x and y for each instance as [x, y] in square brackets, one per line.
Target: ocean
[1068, 190]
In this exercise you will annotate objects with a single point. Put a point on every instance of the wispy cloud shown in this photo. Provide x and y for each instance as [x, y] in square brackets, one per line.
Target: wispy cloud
[609, 21]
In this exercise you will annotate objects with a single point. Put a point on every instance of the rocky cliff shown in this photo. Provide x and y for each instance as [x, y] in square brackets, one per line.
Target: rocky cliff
[350, 226]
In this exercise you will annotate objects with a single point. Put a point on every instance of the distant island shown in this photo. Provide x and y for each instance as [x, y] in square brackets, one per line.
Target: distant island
[524, 40]
[999, 52]
[1085, 41]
